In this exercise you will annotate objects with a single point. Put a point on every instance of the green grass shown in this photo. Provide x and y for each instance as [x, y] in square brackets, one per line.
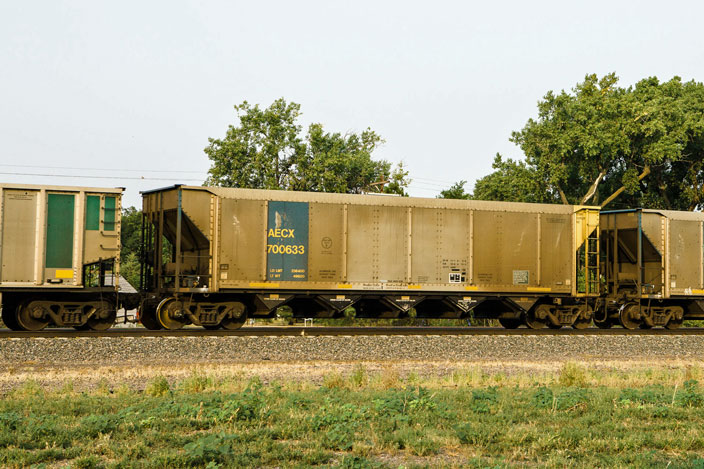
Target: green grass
[360, 421]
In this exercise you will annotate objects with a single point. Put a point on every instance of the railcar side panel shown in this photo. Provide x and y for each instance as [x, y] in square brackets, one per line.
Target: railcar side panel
[362, 244]
[327, 243]
[555, 248]
[505, 249]
[441, 244]
[685, 256]
[19, 223]
[392, 230]
[242, 242]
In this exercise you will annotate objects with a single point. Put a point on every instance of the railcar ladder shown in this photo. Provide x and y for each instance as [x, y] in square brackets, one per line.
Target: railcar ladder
[591, 264]
[591, 261]
[588, 253]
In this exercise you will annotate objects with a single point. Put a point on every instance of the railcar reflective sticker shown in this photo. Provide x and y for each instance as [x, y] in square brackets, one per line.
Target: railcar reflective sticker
[521, 277]
[64, 273]
[287, 241]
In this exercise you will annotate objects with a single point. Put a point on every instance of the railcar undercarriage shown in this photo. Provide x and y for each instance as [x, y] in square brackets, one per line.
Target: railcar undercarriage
[36, 311]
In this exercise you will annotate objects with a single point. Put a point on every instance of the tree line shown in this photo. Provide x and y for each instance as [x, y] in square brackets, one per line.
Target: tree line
[646, 140]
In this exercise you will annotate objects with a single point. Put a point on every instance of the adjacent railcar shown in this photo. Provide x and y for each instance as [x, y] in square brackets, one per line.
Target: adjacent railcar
[653, 269]
[215, 256]
[59, 256]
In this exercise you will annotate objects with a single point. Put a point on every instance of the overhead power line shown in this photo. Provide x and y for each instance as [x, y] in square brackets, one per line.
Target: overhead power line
[414, 187]
[431, 180]
[101, 177]
[103, 169]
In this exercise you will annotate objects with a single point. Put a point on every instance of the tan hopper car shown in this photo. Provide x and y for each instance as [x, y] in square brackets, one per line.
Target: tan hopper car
[215, 256]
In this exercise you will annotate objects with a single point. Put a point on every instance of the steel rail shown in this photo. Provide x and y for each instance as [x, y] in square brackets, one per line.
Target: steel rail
[282, 331]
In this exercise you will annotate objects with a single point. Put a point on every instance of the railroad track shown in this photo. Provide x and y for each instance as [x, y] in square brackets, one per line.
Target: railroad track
[343, 331]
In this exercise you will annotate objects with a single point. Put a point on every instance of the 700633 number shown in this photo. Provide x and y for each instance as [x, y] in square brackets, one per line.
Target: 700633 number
[285, 249]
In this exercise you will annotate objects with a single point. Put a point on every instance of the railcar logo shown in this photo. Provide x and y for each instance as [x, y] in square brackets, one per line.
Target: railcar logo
[287, 241]
[326, 242]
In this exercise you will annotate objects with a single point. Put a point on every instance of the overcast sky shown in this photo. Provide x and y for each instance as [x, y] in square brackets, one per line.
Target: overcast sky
[127, 90]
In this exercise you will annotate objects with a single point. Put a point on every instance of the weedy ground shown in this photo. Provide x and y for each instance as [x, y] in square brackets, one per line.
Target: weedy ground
[575, 416]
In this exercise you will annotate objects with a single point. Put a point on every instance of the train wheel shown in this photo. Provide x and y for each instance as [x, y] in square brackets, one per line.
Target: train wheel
[630, 316]
[148, 319]
[677, 318]
[581, 323]
[606, 323]
[235, 318]
[584, 317]
[103, 318]
[672, 324]
[9, 317]
[510, 323]
[170, 314]
[30, 316]
[531, 317]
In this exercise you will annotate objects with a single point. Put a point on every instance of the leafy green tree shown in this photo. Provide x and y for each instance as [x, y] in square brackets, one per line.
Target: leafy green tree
[130, 267]
[398, 181]
[512, 181]
[338, 163]
[456, 191]
[130, 239]
[261, 152]
[584, 145]
[267, 150]
[131, 242]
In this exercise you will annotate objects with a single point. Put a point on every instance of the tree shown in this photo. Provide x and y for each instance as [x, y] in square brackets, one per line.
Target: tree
[512, 181]
[398, 182]
[267, 151]
[333, 162]
[584, 145]
[262, 152]
[456, 191]
[130, 240]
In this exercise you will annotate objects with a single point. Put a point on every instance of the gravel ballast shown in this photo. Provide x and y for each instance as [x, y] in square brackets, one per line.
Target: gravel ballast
[171, 350]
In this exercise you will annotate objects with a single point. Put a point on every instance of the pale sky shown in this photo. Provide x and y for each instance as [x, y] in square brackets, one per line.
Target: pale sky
[111, 92]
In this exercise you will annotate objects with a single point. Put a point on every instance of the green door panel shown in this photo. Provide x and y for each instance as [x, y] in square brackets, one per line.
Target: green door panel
[93, 212]
[59, 231]
[109, 213]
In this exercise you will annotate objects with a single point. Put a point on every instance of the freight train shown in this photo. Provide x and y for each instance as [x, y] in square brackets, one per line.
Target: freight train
[214, 257]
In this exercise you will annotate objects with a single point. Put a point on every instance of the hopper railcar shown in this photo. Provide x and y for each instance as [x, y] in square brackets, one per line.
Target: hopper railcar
[216, 256]
[652, 269]
[59, 256]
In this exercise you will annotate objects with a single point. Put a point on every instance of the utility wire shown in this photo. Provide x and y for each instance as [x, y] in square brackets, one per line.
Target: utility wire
[420, 180]
[416, 185]
[430, 180]
[103, 169]
[100, 177]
